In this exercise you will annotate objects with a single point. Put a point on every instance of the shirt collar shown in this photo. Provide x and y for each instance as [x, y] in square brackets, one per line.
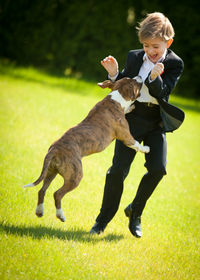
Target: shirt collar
[145, 57]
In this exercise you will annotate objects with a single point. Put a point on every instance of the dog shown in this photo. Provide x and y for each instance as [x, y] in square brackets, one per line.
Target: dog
[104, 123]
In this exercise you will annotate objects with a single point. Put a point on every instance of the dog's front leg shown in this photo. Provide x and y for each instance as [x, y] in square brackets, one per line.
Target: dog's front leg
[124, 135]
[130, 142]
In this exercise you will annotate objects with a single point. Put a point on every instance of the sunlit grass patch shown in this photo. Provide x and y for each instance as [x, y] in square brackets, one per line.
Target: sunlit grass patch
[36, 109]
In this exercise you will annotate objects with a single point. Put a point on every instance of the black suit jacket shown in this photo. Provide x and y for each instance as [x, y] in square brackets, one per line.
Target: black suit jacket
[161, 87]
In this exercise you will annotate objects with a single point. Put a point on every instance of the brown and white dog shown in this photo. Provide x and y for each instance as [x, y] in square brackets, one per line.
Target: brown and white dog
[104, 123]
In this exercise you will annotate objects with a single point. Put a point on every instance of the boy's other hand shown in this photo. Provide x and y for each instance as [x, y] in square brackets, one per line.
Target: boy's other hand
[111, 65]
[157, 70]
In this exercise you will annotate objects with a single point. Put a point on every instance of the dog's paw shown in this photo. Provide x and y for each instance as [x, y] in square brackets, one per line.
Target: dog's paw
[145, 149]
[60, 215]
[139, 148]
[40, 210]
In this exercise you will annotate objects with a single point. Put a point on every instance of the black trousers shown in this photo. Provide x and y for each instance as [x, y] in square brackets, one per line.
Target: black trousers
[145, 125]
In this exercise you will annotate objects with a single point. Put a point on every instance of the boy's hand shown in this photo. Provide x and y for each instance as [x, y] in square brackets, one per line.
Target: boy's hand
[110, 64]
[157, 70]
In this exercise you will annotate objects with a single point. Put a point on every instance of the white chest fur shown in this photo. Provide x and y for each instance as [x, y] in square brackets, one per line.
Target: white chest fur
[115, 95]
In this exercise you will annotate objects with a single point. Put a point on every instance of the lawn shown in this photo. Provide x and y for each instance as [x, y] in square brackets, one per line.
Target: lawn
[36, 109]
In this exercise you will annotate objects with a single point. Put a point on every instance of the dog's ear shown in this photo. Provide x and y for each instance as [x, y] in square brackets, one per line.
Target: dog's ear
[106, 84]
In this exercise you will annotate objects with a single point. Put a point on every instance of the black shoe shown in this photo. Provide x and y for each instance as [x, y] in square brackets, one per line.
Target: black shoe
[97, 228]
[134, 222]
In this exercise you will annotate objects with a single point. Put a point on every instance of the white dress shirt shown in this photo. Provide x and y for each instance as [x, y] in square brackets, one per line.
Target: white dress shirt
[146, 67]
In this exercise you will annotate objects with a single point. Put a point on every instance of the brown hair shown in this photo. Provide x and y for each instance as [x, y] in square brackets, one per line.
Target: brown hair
[155, 25]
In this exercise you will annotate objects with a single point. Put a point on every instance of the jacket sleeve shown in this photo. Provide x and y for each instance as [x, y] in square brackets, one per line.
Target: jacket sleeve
[163, 85]
[127, 71]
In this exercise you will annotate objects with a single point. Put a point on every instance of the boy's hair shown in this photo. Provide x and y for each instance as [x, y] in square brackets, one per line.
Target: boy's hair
[155, 25]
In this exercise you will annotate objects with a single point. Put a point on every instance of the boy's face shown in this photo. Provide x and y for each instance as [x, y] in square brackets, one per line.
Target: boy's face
[155, 48]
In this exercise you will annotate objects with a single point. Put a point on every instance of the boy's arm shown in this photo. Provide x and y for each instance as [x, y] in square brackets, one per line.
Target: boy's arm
[163, 85]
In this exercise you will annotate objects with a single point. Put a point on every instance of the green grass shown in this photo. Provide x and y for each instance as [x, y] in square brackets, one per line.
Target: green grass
[36, 109]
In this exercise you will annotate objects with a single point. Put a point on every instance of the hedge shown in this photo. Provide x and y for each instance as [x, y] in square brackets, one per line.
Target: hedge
[71, 37]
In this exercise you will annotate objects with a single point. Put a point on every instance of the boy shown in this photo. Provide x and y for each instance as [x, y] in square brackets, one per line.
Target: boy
[153, 116]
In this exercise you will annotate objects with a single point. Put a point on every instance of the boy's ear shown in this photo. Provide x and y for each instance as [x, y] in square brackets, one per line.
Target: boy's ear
[169, 42]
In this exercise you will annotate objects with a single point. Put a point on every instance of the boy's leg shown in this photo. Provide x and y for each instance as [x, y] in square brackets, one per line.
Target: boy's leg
[113, 189]
[156, 166]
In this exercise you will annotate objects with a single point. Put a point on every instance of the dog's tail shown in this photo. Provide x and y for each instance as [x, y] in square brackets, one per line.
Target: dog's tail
[43, 174]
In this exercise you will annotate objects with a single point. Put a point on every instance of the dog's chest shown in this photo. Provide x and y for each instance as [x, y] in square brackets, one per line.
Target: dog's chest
[116, 96]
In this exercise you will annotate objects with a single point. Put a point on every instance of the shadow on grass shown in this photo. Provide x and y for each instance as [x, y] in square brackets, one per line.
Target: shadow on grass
[40, 232]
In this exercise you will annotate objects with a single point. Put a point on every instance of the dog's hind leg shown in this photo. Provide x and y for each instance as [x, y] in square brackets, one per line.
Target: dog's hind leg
[40, 205]
[69, 184]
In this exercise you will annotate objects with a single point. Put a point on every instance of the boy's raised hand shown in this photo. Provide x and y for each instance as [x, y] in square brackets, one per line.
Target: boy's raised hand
[111, 65]
[157, 70]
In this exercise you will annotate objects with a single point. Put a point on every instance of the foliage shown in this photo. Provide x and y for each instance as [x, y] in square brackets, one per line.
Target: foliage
[71, 37]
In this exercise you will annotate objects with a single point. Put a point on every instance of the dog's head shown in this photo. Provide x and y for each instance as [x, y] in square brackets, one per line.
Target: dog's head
[128, 88]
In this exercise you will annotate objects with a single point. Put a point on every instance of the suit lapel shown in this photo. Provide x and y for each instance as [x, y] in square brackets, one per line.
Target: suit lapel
[138, 63]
